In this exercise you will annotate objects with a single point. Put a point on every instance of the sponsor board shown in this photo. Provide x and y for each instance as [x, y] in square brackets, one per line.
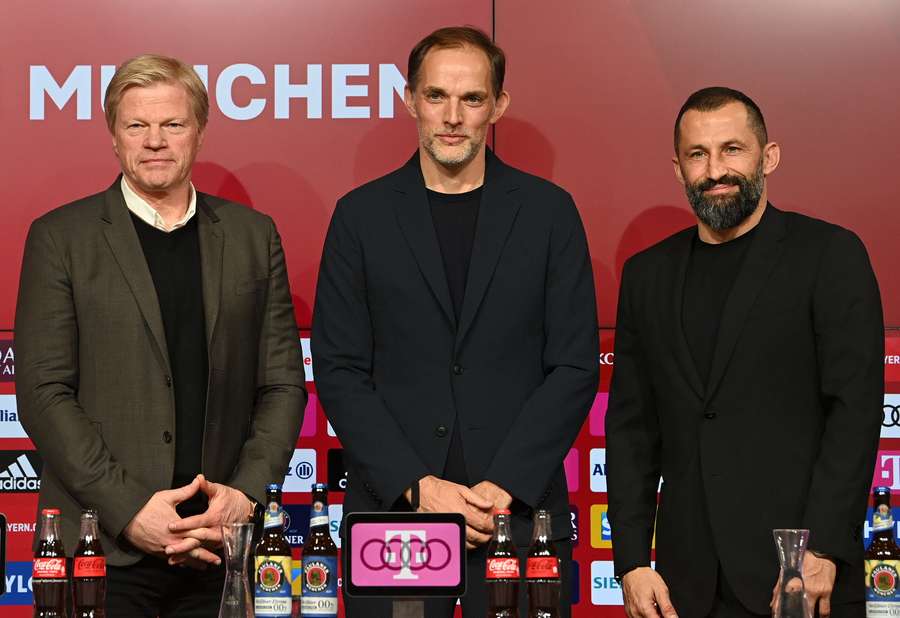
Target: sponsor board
[310, 417]
[887, 470]
[331, 430]
[307, 358]
[573, 514]
[7, 361]
[10, 427]
[892, 360]
[20, 471]
[301, 473]
[18, 584]
[335, 515]
[605, 590]
[597, 423]
[576, 582]
[337, 473]
[890, 416]
[598, 470]
[296, 523]
[570, 465]
[601, 531]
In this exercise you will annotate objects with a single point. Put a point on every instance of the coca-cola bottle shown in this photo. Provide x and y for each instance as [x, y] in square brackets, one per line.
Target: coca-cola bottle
[542, 571]
[49, 582]
[502, 571]
[89, 570]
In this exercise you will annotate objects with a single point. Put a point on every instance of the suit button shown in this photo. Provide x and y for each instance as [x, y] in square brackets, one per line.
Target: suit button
[440, 431]
[709, 416]
[167, 437]
[458, 370]
[169, 381]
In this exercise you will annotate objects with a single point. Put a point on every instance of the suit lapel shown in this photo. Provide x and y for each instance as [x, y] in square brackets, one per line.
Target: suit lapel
[762, 255]
[681, 255]
[496, 215]
[414, 217]
[129, 255]
[211, 248]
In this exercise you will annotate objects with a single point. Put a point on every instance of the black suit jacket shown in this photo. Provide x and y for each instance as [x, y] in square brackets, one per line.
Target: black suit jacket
[394, 368]
[93, 376]
[784, 434]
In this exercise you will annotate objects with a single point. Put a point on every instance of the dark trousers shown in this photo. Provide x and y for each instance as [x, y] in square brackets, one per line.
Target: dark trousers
[152, 588]
[727, 605]
[474, 601]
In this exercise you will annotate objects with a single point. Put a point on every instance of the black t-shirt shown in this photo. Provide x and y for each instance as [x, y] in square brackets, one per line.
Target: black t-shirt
[710, 277]
[455, 216]
[174, 262]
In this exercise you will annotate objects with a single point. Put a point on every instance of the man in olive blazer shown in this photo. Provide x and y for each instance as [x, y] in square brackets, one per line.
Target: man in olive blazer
[99, 347]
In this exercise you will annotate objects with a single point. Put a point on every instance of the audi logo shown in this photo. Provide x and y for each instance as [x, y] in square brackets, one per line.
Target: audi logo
[890, 416]
[396, 554]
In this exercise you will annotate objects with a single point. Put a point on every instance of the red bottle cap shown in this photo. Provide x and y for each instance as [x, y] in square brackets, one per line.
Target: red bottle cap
[502, 512]
[50, 512]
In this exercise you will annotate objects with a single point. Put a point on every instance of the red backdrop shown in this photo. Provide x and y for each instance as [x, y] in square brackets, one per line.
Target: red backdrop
[595, 87]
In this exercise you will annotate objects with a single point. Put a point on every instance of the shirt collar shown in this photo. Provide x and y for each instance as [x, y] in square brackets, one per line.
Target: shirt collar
[146, 213]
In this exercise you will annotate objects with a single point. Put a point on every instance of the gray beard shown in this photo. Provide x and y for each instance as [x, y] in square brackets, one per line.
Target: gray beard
[464, 157]
[723, 213]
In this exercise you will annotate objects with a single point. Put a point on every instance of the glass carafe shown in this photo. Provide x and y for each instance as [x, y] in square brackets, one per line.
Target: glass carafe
[790, 594]
[236, 600]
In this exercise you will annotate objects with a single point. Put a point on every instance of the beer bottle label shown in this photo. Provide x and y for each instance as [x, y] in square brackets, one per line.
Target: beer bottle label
[273, 586]
[49, 568]
[89, 566]
[882, 590]
[319, 597]
[542, 567]
[502, 568]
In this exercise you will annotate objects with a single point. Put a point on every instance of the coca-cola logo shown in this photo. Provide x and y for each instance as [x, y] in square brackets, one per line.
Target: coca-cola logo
[502, 568]
[49, 568]
[90, 566]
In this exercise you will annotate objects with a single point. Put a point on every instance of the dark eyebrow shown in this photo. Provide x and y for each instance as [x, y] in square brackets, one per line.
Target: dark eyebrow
[433, 90]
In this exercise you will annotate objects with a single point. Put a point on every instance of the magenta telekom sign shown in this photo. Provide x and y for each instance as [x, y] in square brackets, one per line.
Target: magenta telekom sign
[416, 554]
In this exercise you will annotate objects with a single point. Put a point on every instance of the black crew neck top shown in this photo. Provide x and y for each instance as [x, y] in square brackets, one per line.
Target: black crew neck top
[711, 273]
[454, 216]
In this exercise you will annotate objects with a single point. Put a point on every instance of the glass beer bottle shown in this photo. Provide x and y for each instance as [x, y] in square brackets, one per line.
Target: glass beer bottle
[272, 596]
[882, 560]
[319, 596]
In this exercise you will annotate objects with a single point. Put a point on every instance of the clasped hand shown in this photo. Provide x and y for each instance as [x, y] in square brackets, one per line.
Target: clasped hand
[476, 504]
[157, 528]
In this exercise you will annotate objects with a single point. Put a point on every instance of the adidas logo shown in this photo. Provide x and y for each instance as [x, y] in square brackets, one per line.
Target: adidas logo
[20, 475]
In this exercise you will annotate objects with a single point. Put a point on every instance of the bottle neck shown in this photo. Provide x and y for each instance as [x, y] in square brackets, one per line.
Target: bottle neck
[501, 528]
[89, 529]
[50, 529]
[541, 528]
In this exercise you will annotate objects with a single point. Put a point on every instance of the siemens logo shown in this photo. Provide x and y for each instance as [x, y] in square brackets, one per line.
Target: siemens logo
[281, 85]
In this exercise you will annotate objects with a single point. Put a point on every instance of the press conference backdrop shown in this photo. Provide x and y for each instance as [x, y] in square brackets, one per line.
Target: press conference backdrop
[306, 104]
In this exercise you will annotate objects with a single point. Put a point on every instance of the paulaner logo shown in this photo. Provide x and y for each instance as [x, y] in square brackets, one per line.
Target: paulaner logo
[20, 471]
[285, 84]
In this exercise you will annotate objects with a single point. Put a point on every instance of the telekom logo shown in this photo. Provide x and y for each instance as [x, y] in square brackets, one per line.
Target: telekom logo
[406, 553]
[887, 470]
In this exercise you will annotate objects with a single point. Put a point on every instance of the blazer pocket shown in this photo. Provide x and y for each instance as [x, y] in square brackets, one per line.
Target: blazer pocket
[248, 286]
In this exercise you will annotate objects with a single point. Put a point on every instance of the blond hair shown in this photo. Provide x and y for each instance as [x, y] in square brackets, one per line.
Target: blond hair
[149, 69]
